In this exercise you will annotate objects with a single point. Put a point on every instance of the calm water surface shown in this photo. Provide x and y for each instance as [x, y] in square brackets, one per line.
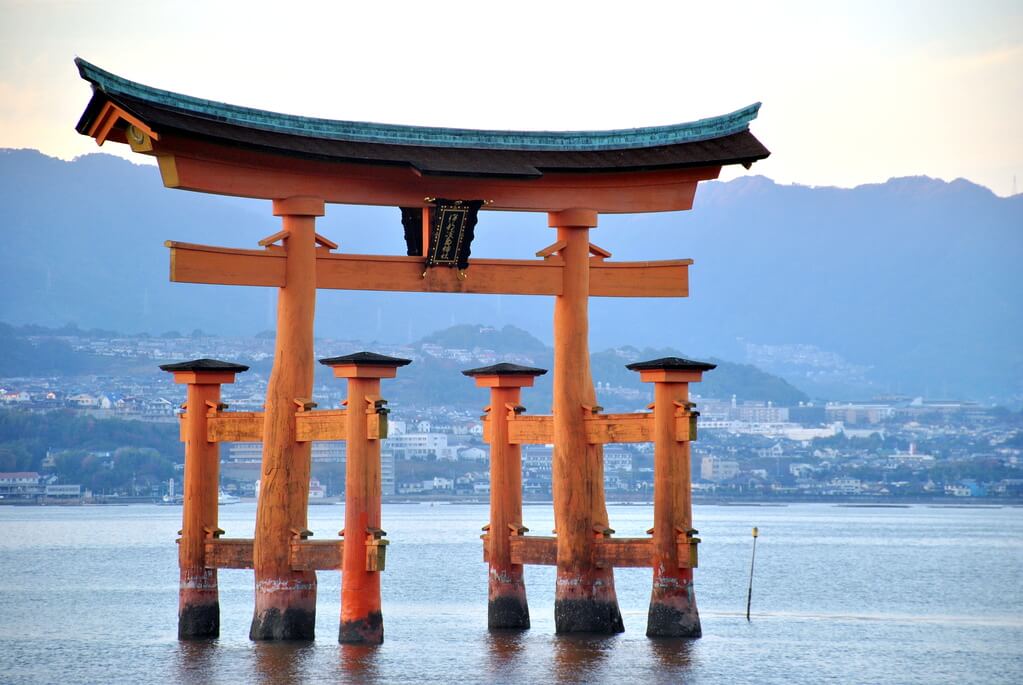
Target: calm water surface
[841, 595]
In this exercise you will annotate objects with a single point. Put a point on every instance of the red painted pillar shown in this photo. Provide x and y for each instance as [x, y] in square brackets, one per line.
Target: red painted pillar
[285, 607]
[361, 619]
[673, 610]
[585, 600]
[506, 605]
[198, 599]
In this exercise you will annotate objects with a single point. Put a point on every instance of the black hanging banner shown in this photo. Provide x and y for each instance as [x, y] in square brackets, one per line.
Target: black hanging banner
[412, 220]
[452, 226]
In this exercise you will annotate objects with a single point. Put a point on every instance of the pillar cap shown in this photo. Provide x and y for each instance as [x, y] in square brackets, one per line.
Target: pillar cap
[212, 365]
[365, 359]
[671, 370]
[505, 369]
[671, 364]
[365, 365]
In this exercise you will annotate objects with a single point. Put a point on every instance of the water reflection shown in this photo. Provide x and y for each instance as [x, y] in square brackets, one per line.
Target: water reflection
[196, 660]
[673, 655]
[580, 658]
[282, 662]
[506, 649]
[358, 663]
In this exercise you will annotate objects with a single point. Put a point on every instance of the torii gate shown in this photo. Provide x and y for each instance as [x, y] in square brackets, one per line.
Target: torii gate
[301, 164]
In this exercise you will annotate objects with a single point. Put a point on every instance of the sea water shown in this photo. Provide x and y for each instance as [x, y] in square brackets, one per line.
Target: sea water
[840, 595]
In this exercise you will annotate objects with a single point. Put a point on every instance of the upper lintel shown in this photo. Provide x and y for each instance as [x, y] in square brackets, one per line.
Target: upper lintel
[215, 147]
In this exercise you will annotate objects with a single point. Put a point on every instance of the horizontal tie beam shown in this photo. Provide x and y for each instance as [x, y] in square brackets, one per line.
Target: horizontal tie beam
[601, 429]
[306, 555]
[325, 424]
[607, 551]
[191, 263]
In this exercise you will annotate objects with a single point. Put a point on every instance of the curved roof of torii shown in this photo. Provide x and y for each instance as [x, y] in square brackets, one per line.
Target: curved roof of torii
[712, 142]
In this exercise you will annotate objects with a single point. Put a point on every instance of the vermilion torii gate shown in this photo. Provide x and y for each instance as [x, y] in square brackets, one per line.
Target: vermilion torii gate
[301, 164]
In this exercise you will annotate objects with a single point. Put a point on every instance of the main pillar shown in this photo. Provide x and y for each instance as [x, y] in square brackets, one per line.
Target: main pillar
[584, 599]
[361, 619]
[673, 610]
[198, 597]
[286, 599]
[506, 606]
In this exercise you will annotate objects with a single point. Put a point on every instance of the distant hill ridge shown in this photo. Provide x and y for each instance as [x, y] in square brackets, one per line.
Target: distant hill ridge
[433, 380]
[915, 279]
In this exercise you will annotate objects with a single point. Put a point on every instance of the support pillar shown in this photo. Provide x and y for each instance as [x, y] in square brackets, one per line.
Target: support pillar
[673, 610]
[585, 599]
[198, 597]
[506, 596]
[362, 621]
[285, 607]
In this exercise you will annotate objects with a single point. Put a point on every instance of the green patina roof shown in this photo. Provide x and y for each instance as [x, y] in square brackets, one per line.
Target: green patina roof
[581, 141]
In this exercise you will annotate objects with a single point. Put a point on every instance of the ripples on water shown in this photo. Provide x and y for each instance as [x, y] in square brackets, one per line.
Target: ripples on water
[843, 595]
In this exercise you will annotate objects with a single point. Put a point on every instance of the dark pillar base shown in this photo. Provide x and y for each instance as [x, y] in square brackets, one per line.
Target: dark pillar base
[669, 620]
[507, 613]
[365, 631]
[291, 624]
[199, 621]
[587, 616]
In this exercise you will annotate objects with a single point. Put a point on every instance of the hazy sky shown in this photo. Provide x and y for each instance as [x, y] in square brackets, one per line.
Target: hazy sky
[853, 92]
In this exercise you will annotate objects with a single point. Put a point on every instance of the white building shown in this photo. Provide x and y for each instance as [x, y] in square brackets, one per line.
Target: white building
[412, 445]
[617, 459]
[252, 452]
[714, 469]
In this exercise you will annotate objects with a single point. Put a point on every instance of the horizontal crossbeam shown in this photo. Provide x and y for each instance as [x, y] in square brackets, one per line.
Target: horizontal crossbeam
[306, 555]
[191, 164]
[607, 552]
[191, 263]
[601, 429]
[325, 424]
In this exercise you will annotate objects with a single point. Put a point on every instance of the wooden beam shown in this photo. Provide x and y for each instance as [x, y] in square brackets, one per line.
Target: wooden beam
[229, 553]
[614, 428]
[223, 170]
[325, 424]
[191, 263]
[667, 278]
[539, 551]
[317, 555]
[624, 552]
[109, 116]
[685, 427]
[531, 430]
[306, 555]
[524, 429]
[607, 552]
[687, 548]
[235, 426]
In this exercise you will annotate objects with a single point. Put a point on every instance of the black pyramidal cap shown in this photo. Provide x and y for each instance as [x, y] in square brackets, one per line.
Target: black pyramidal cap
[505, 369]
[205, 365]
[365, 359]
[671, 364]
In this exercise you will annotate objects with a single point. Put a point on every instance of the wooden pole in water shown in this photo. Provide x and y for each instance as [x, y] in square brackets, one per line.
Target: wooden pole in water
[673, 611]
[749, 595]
[198, 596]
[506, 594]
[362, 620]
[286, 599]
[584, 599]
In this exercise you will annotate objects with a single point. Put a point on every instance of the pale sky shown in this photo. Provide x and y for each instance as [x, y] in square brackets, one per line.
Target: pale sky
[853, 92]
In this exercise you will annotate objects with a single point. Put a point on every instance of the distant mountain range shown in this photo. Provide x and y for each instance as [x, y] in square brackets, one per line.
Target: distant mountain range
[913, 285]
